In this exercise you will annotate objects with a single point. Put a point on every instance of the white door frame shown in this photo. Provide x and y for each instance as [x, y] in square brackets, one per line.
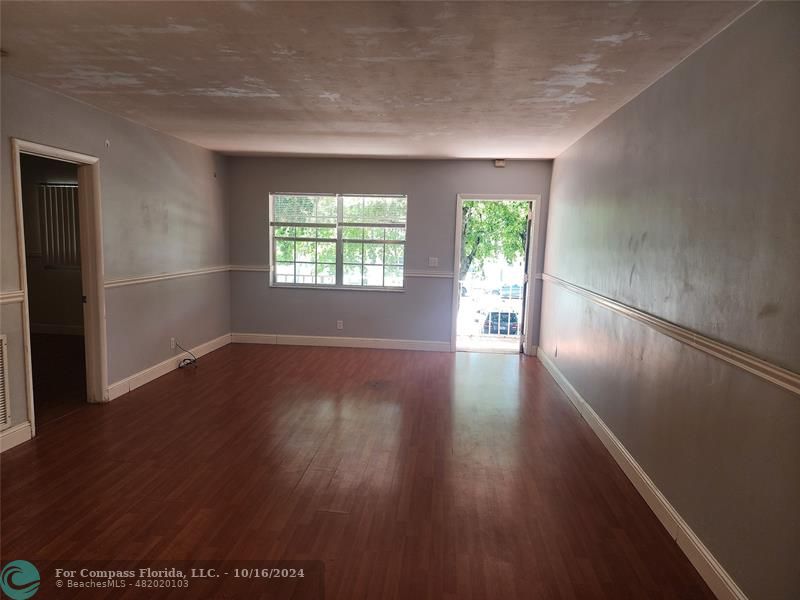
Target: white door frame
[531, 306]
[91, 242]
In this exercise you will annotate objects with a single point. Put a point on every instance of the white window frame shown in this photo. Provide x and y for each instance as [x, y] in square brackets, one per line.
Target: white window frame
[339, 239]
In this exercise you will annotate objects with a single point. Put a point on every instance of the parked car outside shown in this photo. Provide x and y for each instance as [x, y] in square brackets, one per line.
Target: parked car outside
[501, 323]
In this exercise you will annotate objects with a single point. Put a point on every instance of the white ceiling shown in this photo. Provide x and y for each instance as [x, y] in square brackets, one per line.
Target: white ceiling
[421, 79]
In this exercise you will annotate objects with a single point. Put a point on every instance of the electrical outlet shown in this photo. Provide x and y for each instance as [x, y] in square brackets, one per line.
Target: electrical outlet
[339, 324]
[433, 261]
[172, 343]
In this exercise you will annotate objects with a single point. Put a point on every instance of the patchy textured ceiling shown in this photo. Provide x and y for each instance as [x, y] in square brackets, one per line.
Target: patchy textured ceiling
[421, 79]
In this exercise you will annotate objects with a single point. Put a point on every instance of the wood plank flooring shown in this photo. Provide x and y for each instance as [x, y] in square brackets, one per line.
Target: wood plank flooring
[411, 474]
[59, 376]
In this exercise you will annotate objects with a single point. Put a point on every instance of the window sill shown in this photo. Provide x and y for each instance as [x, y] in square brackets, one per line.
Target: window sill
[332, 288]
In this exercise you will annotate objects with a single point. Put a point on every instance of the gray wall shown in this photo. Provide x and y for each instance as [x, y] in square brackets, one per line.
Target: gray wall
[163, 212]
[685, 204]
[423, 310]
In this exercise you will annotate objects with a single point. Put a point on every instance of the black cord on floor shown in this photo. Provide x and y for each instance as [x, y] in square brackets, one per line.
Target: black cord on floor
[186, 362]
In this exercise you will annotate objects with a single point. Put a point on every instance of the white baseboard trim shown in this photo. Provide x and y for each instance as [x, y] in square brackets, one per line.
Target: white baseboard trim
[14, 436]
[115, 390]
[253, 338]
[720, 582]
[339, 342]
[51, 328]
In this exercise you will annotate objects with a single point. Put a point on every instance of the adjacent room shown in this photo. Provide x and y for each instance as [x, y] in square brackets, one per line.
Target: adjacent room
[53, 271]
[400, 300]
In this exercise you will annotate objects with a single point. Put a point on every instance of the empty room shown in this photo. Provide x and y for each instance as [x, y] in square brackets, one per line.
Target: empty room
[400, 300]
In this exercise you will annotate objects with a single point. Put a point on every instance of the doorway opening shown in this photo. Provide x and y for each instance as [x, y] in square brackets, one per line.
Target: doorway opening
[59, 243]
[492, 258]
[53, 271]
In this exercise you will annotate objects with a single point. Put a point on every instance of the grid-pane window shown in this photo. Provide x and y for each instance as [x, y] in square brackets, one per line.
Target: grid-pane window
[338, 240]
[304, 239]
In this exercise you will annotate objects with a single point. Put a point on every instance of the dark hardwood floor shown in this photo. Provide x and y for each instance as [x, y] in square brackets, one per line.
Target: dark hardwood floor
[411, 474]
[59, 376]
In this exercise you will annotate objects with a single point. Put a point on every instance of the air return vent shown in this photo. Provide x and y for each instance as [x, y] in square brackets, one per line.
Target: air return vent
[3, 382]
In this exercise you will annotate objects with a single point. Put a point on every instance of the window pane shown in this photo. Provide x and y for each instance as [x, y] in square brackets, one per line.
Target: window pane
[326, 274]
[352, 275]
[326, 252]
[373, 275]
[306, 232]
[353, 209]
[373, 233]
[305, 273]
[373, 254]
[284, 250]
[395, 233]
[393, 276]
[374, 209]
[306, 251]
[352, 253]
[294, 209]
[284, 273]
[386, 210]
[304, 209]
[284, 231]
[329, 233]
[394, 254]
[353, 233]
[326, 207]
[316, 232]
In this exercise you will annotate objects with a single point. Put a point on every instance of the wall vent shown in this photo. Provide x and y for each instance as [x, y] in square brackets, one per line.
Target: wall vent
[3, 382]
